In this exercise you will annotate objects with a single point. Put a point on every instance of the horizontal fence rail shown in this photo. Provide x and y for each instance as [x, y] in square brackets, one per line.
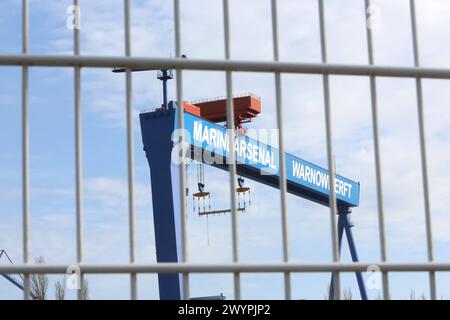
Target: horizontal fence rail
[224, 65]
[229, 268]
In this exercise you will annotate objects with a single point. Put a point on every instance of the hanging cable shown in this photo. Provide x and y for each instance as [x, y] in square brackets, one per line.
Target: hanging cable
[207, 229]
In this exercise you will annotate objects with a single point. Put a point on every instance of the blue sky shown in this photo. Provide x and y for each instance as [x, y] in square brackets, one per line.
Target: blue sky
[106, 231]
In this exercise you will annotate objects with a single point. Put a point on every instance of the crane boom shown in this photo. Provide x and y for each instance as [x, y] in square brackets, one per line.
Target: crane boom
[18, 282]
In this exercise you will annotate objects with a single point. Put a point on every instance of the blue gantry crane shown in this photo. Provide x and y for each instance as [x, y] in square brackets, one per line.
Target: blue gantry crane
[256, 161]
[205, 123]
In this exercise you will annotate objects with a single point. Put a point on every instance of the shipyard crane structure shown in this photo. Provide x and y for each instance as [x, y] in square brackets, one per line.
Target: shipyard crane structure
[205, 126]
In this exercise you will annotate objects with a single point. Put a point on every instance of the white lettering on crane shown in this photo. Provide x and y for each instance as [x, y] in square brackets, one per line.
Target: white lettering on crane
[243, 147]
[320, 179]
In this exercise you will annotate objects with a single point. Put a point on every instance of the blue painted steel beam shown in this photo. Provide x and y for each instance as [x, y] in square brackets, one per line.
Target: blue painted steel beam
[260, 162]
[157, 128]
[354, 254]
[13, 281]
[344, 225]
[16, 283]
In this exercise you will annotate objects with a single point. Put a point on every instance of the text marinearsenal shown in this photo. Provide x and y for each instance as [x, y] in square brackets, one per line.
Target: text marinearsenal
[244, 148]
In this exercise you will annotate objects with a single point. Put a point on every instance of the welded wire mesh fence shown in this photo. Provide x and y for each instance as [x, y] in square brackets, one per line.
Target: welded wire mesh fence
[228, 66]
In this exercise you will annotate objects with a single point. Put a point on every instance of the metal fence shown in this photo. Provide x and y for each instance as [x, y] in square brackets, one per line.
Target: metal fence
[228, 66]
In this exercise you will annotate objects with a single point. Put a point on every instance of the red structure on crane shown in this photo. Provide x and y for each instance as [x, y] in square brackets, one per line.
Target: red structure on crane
[245, 109]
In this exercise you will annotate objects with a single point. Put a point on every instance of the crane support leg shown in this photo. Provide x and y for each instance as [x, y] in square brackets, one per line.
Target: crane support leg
[345, 225]
[157, 131]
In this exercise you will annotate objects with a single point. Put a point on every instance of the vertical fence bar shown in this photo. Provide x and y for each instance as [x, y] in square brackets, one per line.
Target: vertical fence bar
[283, 185]
[25, 148]
[78, 146]
[182, 168]
[423, 152]
[329, 136]
[130, 151]
[376, 144]
[232, 162]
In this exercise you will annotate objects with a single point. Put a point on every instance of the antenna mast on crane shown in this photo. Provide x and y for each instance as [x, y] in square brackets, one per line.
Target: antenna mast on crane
[163, 74]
